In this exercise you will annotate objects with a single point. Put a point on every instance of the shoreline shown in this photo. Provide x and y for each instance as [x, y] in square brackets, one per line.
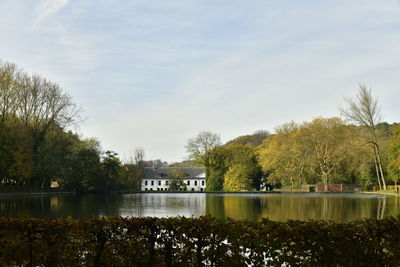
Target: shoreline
[28, 194]
[381, 192]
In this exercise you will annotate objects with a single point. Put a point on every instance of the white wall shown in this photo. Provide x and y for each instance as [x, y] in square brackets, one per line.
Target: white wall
[163, 184]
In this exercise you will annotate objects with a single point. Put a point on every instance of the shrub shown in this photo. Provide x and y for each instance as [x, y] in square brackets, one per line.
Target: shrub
[179, 241]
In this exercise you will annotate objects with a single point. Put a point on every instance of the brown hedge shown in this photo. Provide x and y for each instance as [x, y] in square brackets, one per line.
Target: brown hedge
[200, 241]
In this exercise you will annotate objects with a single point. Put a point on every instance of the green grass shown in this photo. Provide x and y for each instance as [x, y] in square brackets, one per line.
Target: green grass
[389, 192]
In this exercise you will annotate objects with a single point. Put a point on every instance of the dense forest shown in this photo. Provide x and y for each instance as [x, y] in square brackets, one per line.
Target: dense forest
[37, 145]
[355, 149]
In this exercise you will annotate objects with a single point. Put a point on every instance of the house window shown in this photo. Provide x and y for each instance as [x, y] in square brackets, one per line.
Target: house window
[192, 189]
[145, 189]
[202, 182]
[145, 182]
[152, 182]
[159, 182]
[188, 182]
[195, 182]
[166, 182]
[201, 189]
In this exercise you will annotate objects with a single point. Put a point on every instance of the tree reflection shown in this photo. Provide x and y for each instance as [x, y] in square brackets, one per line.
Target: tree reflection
[252, 207]
[283, 207]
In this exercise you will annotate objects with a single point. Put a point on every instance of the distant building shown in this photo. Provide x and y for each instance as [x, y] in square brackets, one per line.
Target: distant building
[338, 188]
[331, 188]
[159, 179]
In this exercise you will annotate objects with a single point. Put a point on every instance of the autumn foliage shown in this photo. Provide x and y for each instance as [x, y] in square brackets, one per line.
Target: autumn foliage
[200, 241]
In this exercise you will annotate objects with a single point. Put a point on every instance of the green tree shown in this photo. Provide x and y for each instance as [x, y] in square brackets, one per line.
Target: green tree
[246, 156]
[394, 155]
[300, 152]
[285, 157]
[134, 170]
[177, 180]
[203, 149]
[83, 171]
[39, 104]
[112, 170]
[329, 141]
[238, 178]
[215, 168]
[16, 165]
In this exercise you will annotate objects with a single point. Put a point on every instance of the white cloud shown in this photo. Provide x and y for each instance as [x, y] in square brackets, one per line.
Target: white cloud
[47, 8]
[153, 74]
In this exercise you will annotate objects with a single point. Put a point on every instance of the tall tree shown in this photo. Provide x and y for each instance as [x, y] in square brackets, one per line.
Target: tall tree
[394, 155]
[297, 153]
[134, 170]
[244, 158]
[215, 168]
[237, 178]
[285, 157]
[329, 141]
[203, 149]
[365, 112]
[198, 146]
[41, 106]
[9, 75]
[112, 169]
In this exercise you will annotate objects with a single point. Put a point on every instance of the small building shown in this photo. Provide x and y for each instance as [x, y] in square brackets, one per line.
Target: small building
[159, 179]
[338, 188]
[308, 187]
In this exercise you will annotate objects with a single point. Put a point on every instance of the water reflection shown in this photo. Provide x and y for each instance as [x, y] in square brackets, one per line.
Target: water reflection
[253, 207]
[282, 207]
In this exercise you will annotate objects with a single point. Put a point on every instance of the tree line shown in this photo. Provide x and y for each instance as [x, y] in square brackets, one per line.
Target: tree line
[356, 148]
[37, 145]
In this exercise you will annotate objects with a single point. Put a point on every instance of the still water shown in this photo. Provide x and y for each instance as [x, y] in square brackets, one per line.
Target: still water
[252, 207]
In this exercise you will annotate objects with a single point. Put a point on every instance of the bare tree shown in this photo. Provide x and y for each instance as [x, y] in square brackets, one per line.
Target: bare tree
[135, 168]
[42, 104]
[201, 144]
[36, 101]
[139, 157]
[365, 112]
[9, 74]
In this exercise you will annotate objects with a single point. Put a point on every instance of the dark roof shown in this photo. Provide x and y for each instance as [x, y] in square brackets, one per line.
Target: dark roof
[154, 173]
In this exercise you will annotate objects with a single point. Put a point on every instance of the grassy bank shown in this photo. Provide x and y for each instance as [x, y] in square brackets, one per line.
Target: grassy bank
[389, 192]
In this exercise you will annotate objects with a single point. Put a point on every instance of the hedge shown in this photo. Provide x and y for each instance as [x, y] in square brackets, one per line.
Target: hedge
[179, 241]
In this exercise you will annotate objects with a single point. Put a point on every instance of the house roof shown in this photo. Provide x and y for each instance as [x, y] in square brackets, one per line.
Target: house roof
[157, 173]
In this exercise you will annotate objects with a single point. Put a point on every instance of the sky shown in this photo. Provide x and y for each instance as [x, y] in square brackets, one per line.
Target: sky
[153, 74]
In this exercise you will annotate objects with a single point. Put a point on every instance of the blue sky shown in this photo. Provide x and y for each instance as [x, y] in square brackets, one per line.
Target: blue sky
[152, 74]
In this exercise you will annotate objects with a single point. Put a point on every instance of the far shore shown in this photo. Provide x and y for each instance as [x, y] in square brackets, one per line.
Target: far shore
[4, 194]
[26, 194]
[389, 192]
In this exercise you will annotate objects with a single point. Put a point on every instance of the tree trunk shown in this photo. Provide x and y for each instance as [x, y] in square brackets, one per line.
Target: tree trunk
[325, 178]
[380, 168]
[377, 170]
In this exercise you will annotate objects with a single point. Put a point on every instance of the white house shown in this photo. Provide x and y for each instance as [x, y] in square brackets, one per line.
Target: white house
[159, 179]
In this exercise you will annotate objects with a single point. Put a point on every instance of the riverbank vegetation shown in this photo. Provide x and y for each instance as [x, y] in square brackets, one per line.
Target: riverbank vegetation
[37, 145]
[117, 241]
[355, 149]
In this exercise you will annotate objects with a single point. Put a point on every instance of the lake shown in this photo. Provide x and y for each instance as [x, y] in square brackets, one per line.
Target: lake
[275, 206]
